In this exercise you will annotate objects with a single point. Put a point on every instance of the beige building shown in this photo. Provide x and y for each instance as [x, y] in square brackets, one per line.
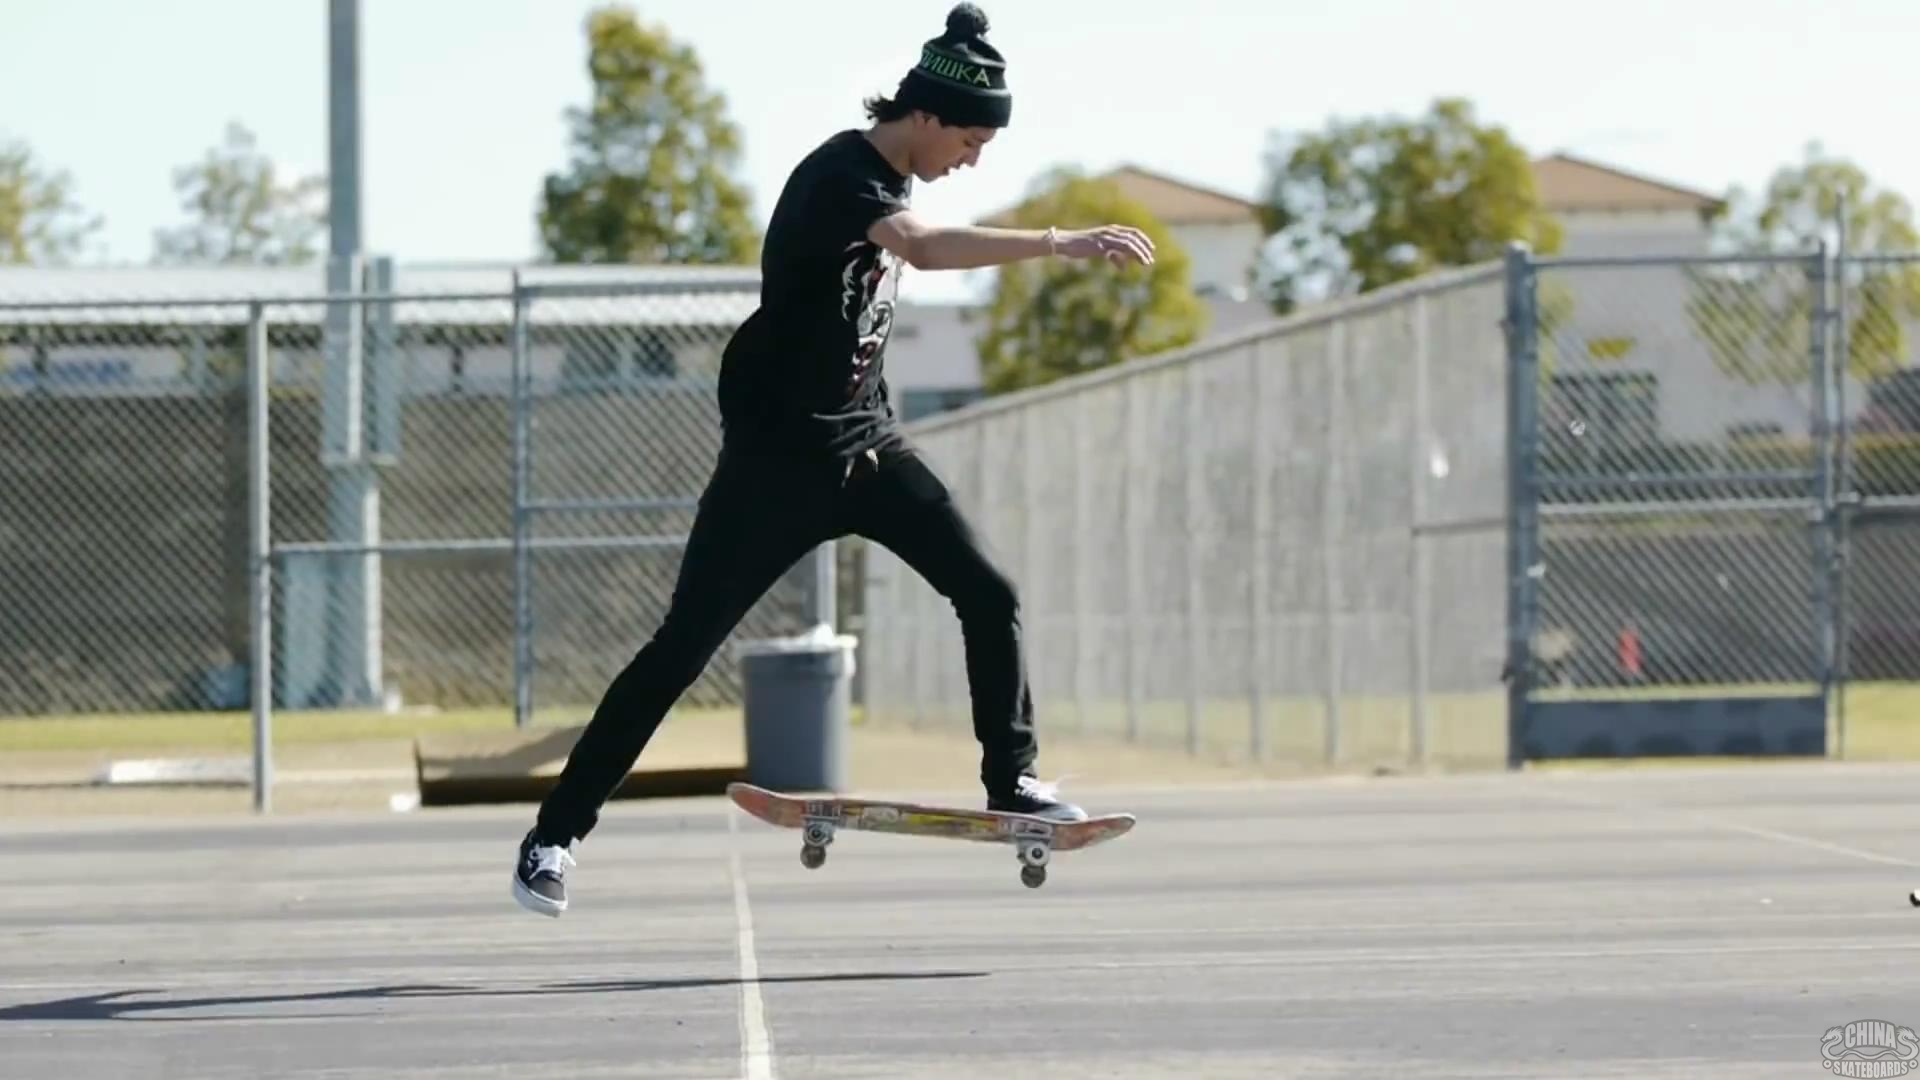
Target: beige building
[932, 364]
[1630, 360]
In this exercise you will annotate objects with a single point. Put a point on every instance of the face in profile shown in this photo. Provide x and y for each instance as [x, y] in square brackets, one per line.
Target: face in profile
[939, 149]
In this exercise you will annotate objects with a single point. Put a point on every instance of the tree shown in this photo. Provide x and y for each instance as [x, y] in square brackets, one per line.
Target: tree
[1053, 318]
[40, 221]
[241, 212]
[1370, 202]
[650, 177]
[1756, 317]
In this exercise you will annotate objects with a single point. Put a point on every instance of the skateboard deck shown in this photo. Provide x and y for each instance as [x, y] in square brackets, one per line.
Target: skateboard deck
[818, 817]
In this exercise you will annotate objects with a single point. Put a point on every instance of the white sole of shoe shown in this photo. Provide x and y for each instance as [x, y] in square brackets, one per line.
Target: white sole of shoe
[536, 903]
[1061, 818]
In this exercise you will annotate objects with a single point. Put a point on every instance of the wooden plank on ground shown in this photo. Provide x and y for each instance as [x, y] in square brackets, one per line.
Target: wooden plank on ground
[697, 756]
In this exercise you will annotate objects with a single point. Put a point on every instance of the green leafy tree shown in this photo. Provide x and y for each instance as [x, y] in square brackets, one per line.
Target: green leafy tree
[241, 212]
[650, 176]
[40, 220]
[1053, 318]
[1757, 318]
[1373, 201]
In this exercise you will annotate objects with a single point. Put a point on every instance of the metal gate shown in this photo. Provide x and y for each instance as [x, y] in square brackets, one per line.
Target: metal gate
[1699, 446]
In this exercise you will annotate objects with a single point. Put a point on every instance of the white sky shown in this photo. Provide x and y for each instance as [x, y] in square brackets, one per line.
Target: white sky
[463, 99]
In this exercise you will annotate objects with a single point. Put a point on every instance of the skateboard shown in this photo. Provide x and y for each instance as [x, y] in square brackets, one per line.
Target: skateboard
[1034, 839]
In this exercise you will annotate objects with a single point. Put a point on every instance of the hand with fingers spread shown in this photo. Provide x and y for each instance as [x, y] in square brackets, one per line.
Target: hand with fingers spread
[1118, 244]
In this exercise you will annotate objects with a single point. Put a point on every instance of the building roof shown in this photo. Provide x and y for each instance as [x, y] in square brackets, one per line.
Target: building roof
[679, 295]
[1566, 182]
[1173, 201]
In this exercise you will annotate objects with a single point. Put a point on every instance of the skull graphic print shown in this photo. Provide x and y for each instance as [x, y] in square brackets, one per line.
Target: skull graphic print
[868, 284]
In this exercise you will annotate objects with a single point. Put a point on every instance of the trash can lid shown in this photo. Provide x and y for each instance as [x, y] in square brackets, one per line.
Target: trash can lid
[820, 638]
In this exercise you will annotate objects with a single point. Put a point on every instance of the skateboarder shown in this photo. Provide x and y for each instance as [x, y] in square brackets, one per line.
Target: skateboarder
[810, 448]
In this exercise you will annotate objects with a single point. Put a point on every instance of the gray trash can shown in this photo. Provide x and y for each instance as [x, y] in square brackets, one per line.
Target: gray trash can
[799, 691]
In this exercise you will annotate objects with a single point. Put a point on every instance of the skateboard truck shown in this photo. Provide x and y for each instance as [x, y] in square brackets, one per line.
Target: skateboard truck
[814, 839]
[1034, 855]
[1033, 843]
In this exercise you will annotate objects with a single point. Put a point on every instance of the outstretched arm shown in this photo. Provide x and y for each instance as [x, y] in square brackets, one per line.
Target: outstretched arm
[966, 247]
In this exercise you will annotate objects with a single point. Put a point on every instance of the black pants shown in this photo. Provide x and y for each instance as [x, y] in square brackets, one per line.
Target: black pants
[757, 518]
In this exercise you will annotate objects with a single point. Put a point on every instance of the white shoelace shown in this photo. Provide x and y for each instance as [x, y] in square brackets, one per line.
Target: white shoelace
[1039, 789]
[552, 860]
[1042, 789]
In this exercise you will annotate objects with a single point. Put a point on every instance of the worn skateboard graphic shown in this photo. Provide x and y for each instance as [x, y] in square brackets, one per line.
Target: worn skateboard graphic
[819, 816]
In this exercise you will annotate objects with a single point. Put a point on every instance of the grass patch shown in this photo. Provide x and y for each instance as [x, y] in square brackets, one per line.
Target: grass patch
[1882, 724]
[232, 732]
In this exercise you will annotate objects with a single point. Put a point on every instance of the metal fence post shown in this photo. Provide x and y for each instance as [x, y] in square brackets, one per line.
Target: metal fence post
[1332, 525]
[1086, 629]
[1523, 439]
[1133, 535]
[1260, 497]
[1418, 563]
[1196, 648]
[522, 562]
[354, 649]
[1841, 346]
[260, 554]
[823, 586]
[1820, 366]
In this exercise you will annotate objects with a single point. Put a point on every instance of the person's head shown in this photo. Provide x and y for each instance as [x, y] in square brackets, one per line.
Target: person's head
[951, 103]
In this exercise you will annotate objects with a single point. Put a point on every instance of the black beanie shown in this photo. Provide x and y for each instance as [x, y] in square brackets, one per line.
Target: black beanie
[960, 78]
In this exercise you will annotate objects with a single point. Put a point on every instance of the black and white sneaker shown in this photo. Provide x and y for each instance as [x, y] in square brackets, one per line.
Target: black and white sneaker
[1033, 796]
[540, 876]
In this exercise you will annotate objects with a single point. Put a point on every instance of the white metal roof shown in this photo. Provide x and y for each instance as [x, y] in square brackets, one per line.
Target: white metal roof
[707, 295]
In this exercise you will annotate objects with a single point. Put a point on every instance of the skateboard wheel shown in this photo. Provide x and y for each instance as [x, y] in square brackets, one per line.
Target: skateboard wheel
[818, 835]
[1034, 854]
[1033, 876]
[1914, 898]
[812, 855]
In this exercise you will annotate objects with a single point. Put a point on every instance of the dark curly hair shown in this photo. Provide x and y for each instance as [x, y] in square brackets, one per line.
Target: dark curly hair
[881, 108]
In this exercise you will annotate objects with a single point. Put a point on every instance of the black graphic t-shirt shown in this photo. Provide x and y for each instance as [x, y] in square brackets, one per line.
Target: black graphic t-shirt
[803, 374]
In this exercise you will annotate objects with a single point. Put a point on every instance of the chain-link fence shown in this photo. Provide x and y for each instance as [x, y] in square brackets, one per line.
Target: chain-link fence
[1289, 544]
[1878, 482]
[1345, 537]
[122, 446]
[1723, 459]
[468, 492]
[1673, 538]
